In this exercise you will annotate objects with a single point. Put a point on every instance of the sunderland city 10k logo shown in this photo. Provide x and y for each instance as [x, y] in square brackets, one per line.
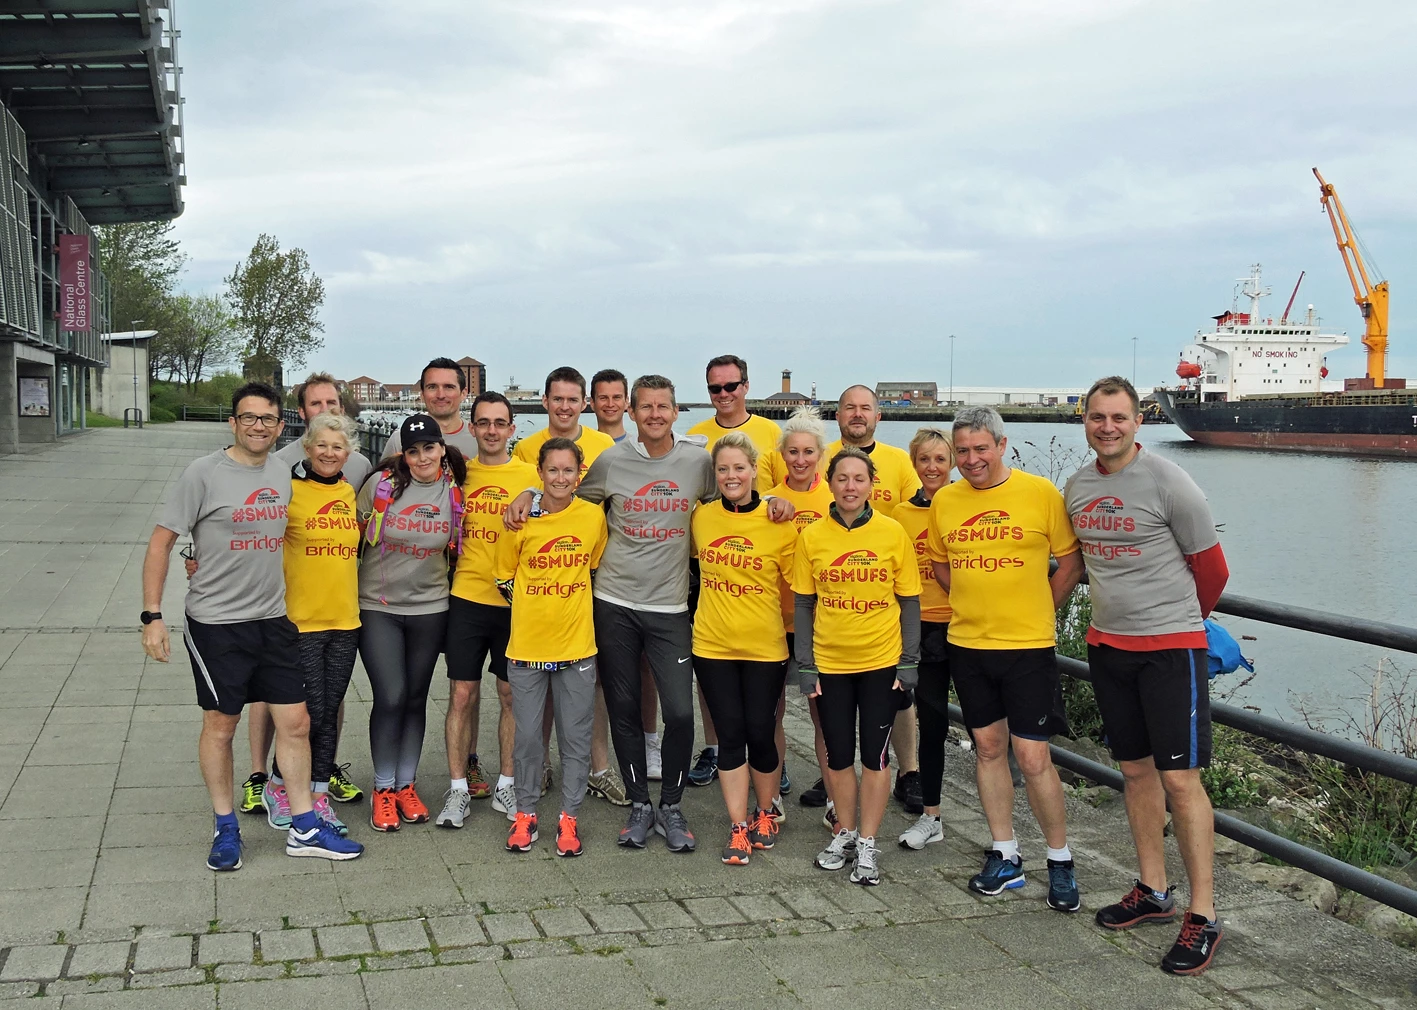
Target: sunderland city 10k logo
[262, 503]
[803, 518]
[334, 515]
[991, 525]
[733, 551]
[657, 496]
[1104, 513]
[565, 551]
[489, 498]
[855, 566]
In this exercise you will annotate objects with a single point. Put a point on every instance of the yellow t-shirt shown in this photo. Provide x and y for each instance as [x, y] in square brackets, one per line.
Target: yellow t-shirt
[934, 601]
[856, 576]
[997, 543]
[895, 475]
[321, 557]
[550, 560]
[763, 433]
[486, 493]
[592, 444]
[811, 506]
[743, 557]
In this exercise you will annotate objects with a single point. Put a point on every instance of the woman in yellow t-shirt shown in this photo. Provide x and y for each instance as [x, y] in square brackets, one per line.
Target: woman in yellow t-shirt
[857, 586]
[321, 561]
[740, 648]
[544, 570]
[803, 449]
[933, 457]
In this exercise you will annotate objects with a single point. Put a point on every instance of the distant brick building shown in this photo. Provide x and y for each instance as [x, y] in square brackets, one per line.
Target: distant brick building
[476, 375]
[366, 390]
[908, 394]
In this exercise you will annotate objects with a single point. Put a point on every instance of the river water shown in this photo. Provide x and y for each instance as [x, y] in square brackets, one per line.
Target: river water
[1330, 532]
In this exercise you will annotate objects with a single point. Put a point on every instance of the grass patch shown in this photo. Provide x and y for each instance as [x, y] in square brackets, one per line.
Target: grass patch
[93, 420]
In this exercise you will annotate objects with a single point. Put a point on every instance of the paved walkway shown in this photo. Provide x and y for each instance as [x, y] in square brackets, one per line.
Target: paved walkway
[104, 821]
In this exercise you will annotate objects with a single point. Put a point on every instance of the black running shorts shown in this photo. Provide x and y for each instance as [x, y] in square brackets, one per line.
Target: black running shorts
[234, 664]
[476, 631]
[1154, 703]
[1020, 685]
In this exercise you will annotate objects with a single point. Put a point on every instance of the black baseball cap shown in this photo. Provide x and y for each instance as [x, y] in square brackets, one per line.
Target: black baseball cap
[419, 428]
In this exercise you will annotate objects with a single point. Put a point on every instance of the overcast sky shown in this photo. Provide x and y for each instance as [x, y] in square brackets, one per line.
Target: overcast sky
[831, 186]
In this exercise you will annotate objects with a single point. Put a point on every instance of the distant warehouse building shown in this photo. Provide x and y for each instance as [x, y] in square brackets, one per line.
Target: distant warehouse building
[907, 394]
[1014, 396]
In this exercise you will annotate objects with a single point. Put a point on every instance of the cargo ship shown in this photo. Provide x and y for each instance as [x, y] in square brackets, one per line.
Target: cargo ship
[1252, 381]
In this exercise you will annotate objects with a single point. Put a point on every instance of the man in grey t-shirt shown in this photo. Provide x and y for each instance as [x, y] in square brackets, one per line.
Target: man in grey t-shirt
[443, 386]
[316, 395]
[234, 503]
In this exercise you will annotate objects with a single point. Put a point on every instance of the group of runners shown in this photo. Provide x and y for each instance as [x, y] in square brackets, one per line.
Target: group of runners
[600, 575]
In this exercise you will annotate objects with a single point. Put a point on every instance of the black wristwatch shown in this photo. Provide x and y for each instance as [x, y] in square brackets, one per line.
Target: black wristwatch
[148, 616]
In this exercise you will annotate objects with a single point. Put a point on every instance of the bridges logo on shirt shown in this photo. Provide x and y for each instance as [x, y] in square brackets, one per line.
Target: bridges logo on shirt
[263, 503]
[490, 499]
[657, 496]
[1103, 513]
[335, 515]
[420, 518]
[988, 525]
[733, 551]
[855, 566]
[565, 551]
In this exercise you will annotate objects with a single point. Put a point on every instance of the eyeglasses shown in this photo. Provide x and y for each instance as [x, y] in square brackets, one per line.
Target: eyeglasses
[264, 420]
[728, 387]
[484, 424]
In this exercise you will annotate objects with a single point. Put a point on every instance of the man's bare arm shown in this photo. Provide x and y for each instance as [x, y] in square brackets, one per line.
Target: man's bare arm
[156, 642]
[942, 573]
[1066, 578]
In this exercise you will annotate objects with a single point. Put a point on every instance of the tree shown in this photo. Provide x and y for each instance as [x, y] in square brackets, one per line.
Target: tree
[201, 336]
[142, 261]
[275, 298]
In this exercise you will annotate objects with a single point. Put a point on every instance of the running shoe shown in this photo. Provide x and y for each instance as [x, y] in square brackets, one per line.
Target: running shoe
[784, 784]
[411, 808]
[925, 830]
[321, 842]
[671, 823]
[326, 813]
[999, 874]
[504, 800]
[608, 787]
[816, 796]
[251, 798]
[654, 759]
[477, 786]
[1194, 948]
[705, 769]
[568, 836]
[907, 791]
[763, 832]
[829, 818]
[1063, 886]
[277, 805]
[384, 811]
[226, 849]
[1137, 906]
[342, 790]
[866, 870]
[841, 848]
[523, 833]
[778, 811]
[546, 781]
[637, 827]
[456, 803]
[739, 849]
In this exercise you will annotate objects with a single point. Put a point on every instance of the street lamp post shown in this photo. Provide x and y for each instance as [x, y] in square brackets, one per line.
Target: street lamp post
[952, 368]
[134, 335]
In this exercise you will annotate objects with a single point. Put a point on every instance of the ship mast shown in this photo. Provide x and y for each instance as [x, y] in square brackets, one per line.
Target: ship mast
[1371, 298]
[1254, 291]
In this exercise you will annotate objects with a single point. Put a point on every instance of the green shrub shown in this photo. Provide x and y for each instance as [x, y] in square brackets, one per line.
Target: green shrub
[93, 420]
[162, 415]
[1233, 778]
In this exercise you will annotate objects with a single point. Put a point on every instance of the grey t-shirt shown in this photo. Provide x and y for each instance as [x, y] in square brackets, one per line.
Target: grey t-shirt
[463, 439]
[1136, 527]
[646, 561]
[407, 572]
[236, 515]
[356, 468]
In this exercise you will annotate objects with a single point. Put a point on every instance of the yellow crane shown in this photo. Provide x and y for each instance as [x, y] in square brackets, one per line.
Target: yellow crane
[1371, 298]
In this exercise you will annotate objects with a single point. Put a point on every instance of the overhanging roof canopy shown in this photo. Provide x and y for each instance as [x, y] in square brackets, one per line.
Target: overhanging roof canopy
[94, 85]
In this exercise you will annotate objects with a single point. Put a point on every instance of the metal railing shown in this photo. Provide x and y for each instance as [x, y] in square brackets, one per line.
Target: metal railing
[1299, 738]
[196, 412]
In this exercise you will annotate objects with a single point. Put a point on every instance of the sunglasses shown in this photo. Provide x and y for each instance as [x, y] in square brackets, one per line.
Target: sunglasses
[728, 387]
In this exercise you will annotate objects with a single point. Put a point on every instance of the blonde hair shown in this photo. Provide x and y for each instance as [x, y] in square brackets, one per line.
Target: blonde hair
[741, 442]
[805, 420]
[925, 436]
[330, 421]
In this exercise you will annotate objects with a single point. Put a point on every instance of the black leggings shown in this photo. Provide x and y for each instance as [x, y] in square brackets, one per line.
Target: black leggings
[328, 660]
[848, 699]
[399, 654]
[932, 701]
[742, 697]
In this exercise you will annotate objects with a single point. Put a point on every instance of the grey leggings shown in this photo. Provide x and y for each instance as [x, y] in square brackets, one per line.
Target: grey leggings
[399, 654]
[328, 660]
[573, 704]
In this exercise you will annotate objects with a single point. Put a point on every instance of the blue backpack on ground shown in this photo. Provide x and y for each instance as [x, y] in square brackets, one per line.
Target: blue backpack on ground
[1222, 651]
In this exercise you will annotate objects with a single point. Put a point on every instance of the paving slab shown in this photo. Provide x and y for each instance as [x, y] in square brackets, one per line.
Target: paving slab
[400, 935]
[107, 958]
[34, 962]
[156, 953]
[225, 948]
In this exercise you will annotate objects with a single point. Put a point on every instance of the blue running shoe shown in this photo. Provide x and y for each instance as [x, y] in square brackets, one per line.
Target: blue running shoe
[321, 842]
[999, 875]
[1062, 886]
[226, 849]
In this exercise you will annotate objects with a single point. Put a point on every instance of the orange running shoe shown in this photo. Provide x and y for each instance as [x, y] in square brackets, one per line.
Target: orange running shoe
[383, 811]
[411, 808]
[477, 786]
[764, 830]
[568, 839]
[738, 849]
[523, 833]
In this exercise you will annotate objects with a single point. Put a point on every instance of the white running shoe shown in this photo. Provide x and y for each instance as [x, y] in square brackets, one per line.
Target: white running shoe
[777, 811]
[654, 760]
[504, 800]
[925, 830]
[866, 871]
[841, 848]
[456, 803]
